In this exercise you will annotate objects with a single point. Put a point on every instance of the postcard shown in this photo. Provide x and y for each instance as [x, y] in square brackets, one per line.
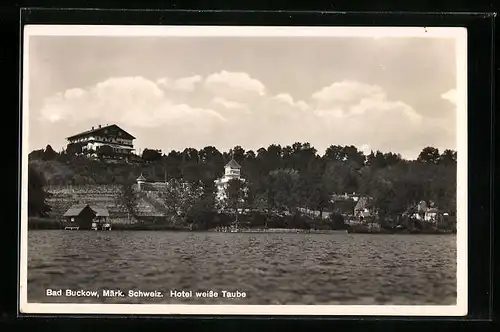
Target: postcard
[237, 170]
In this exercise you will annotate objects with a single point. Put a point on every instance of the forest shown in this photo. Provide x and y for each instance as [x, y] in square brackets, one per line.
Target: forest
[276, 178]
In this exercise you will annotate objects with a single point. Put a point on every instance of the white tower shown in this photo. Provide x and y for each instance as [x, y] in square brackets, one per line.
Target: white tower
[232, 170]
[140, 180]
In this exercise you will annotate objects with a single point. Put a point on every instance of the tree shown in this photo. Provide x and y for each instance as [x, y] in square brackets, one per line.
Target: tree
[191, 167]
[378, 160]
[235, 196]
[73, 149]
[429, 155]
[211, 162]
[150, 155]
[36, 155]
[37, 196]
[238, 153]
[334, 153]
[337, 221]
[49, 153]
[284, 189]
[319, 198]
[172, 164]
[128, 199]
[105, 150]
[351, 154]
[448, 157]
[201, 213]
[179, 197]
[392, 158]
[340, 177]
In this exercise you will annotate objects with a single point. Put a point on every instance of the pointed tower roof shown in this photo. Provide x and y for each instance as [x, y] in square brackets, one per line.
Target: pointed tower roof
[141, 178]
[233, 164]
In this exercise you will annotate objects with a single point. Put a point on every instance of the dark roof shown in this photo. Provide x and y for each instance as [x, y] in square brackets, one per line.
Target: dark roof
[100, 211]
[153, 186]
[112, 131]
[76, 209]
[233, 164]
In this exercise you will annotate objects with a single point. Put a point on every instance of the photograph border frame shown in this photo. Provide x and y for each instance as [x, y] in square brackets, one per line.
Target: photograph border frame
[295, 314]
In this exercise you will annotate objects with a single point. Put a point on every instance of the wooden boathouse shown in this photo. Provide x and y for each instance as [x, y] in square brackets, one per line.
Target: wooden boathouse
[86, 217]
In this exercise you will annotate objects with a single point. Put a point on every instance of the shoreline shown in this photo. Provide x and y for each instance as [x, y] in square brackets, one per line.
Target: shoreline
[53, 224]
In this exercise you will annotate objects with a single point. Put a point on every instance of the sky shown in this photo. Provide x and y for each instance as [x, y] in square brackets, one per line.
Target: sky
[393, 94]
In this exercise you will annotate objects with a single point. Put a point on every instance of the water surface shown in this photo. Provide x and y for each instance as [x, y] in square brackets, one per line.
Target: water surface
[269, 268]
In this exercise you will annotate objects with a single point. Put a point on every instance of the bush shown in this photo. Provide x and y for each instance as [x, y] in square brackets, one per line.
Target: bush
[257, 219]
[338, 221]
[43, 223]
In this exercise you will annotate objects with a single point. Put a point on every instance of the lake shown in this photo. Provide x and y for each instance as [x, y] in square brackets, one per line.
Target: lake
[353, 269]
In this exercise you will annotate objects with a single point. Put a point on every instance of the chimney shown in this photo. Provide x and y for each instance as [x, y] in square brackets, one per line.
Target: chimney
[99, 126]
[92, 127]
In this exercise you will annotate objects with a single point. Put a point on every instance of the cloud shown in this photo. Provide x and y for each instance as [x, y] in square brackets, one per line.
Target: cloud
[451, 96]
[347, 92]
[288, 99]
[224, 109]
[229, 104]
[351, 99]
[132, 101]
[234, 85]
[356, 113]
[184, 84]
[285, 97]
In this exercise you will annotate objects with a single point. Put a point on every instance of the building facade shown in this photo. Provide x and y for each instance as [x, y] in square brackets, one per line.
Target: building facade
[426, 211]
[232, 170]
[364, 209]
[87, 217]
[107, 141]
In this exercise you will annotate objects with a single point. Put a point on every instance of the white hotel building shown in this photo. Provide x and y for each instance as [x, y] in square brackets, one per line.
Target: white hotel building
[120, 142]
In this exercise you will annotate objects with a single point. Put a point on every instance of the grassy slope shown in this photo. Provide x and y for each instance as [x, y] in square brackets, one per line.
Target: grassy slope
[87, 191]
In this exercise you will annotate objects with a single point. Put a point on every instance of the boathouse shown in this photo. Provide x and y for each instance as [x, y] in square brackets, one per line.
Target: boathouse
[86, 217]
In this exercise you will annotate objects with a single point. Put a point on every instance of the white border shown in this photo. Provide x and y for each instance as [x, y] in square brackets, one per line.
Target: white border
[460, 35]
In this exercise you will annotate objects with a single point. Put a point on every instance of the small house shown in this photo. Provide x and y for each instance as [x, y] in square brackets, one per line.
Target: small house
[101, 218]
[431, 215]
[80, 215]
[86, 217]
[364, 208]
[425, 211]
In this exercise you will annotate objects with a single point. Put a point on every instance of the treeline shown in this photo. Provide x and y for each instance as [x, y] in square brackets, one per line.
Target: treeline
[37, 195]
[285, 178]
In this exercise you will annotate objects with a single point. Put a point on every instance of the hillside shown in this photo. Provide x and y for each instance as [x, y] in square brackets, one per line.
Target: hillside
[62, 197]
[85, 172]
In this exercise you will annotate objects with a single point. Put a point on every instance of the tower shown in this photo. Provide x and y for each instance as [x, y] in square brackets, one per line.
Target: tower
[232, 170]
[140, 180]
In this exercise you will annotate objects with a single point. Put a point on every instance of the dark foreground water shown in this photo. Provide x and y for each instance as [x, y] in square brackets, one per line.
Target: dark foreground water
[268, 268]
